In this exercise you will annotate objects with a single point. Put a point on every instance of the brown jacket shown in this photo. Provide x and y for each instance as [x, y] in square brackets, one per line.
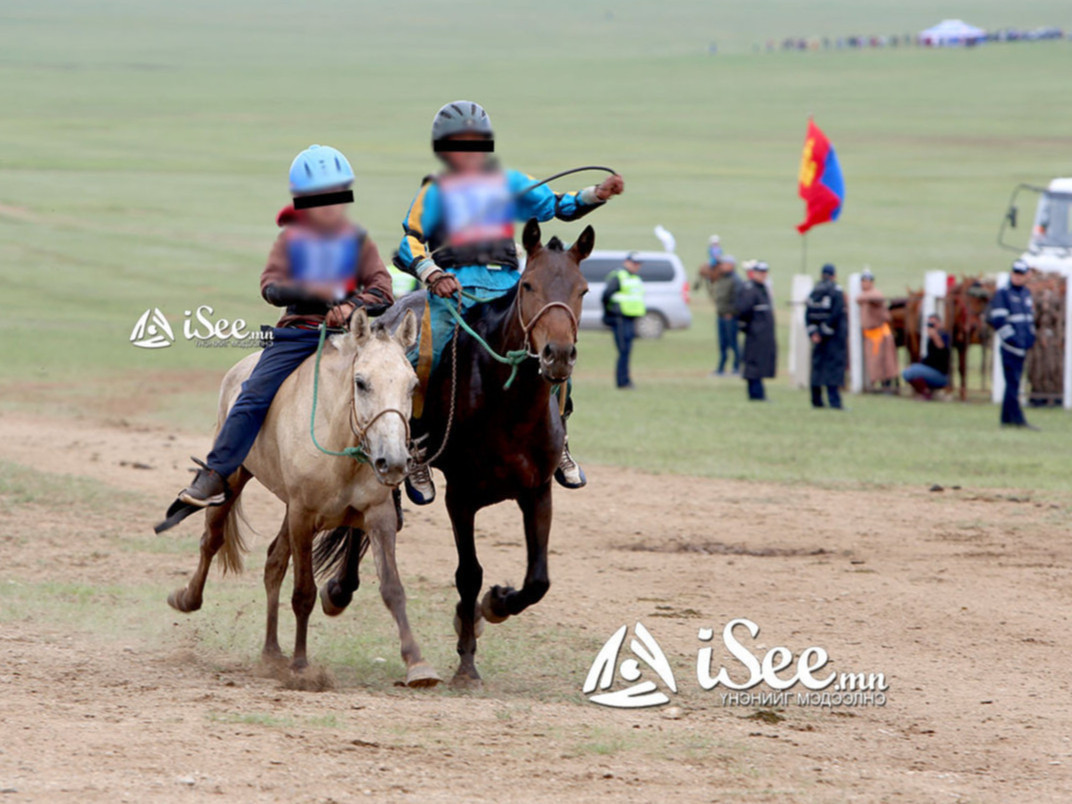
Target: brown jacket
[371, 285]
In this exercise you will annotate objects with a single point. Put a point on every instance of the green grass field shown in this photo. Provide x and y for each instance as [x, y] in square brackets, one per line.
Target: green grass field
[144, 149]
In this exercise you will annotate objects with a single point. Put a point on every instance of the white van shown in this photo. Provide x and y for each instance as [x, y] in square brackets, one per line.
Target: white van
[666, 291]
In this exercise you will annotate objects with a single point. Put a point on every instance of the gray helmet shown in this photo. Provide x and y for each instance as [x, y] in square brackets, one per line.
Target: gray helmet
[461, 117]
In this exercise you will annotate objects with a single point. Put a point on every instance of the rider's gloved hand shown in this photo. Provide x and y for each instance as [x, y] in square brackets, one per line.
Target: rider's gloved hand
[442, 283]
[339, 315]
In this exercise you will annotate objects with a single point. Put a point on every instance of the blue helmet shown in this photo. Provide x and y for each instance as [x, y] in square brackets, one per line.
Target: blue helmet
[319, 168]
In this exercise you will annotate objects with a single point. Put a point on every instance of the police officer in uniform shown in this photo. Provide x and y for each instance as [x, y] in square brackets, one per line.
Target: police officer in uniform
[623, 303]
[827, 324]
[756, 316]
[1012, 315]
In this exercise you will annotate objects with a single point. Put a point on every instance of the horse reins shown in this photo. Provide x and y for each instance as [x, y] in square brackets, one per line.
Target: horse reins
[360, 452]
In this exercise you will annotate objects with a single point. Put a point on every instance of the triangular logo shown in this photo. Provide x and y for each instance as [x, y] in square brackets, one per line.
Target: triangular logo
[152, 331]
[638, 695]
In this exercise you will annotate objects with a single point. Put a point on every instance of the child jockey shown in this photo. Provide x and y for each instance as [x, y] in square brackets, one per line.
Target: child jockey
[321, 269]
[459, 233]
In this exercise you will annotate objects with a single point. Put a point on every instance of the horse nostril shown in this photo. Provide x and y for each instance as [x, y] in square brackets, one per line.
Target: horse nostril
[548, 352]
[380, 464]
[573, 353]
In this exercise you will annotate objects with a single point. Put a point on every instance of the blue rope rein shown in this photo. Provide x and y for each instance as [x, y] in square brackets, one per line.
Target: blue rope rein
[513, 358]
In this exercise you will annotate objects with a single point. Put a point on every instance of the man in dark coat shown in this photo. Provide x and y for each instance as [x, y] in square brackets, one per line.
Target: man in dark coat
[827, 324]
[756, 315]
[1012, 316]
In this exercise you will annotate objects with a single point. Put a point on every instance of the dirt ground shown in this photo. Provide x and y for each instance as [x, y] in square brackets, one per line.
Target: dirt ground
[960, 597]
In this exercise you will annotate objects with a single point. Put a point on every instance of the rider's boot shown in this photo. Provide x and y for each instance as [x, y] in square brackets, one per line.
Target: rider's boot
[209, 488]
[419, 486]
[569, 473]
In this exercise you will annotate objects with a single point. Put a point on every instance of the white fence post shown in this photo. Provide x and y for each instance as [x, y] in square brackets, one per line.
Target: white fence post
[856, 337]
[799, 342]
[1066, 386]
[997, 385]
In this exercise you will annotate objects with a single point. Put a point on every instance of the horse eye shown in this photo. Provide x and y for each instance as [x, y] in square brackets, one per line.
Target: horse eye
[526, 286]
[584, 291]
[362, 384]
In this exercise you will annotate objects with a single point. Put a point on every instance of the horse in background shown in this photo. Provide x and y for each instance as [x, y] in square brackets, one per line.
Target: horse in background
[963, 312]
[966, 303]
[905, 318]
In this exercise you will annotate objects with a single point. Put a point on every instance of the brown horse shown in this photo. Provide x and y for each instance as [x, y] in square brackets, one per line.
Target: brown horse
[502, 435]
[965, 318]
[905, 322]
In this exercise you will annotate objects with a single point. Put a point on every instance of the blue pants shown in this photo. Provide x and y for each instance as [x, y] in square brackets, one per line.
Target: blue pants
[929, 374]
[756, 391]
[728, 331]
[624, 333]
[1013, 368]
[833, 393]
[287, 350]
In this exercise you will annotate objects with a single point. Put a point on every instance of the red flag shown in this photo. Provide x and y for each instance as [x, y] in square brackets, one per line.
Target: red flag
[821, 184]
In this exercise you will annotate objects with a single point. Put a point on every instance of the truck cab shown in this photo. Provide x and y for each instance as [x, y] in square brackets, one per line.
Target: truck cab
[1049, 246]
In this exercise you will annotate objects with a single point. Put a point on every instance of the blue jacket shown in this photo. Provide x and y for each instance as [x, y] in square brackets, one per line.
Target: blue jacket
[1012, 315]
[474, 227]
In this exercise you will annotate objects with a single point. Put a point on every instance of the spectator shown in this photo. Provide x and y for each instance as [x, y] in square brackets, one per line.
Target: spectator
[828, 329]
[723, 284]
[880, 350]
[1012, 315]
[756, 315]
[623, 303]
[932, 373]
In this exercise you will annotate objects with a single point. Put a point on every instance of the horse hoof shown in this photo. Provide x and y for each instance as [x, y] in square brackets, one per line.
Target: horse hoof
[486, 608]
[478, 625]
[177, 600]
[463, 681]
[422, 674]
[333, 600]
[273, 658]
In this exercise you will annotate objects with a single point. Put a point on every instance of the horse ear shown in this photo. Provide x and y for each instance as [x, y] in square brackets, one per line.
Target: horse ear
[359, 324]
[530, 238]
[406, 334]
[584, 245]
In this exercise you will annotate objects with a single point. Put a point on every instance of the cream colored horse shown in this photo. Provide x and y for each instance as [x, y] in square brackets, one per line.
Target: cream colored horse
[365, 396]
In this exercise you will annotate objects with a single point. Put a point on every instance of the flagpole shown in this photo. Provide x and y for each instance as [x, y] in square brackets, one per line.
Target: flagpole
[804, 253]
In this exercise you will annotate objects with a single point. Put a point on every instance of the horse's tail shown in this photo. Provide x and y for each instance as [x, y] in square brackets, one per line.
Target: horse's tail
[329, 549]
[234, 542]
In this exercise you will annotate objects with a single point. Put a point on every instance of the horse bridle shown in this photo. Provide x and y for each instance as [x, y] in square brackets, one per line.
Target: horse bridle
[359, 429]
[527, 328]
